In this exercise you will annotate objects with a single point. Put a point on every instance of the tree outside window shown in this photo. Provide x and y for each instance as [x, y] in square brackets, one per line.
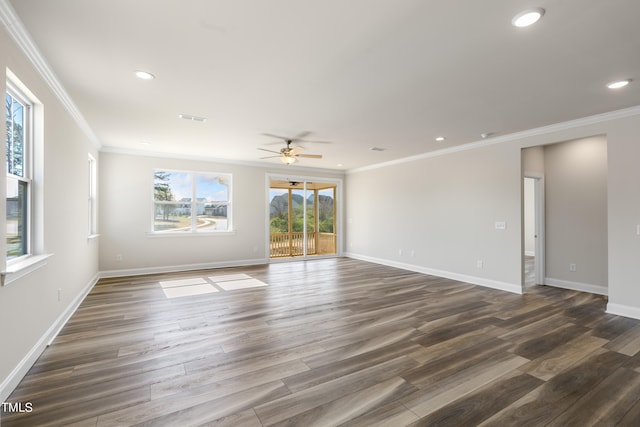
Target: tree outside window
[18, 178]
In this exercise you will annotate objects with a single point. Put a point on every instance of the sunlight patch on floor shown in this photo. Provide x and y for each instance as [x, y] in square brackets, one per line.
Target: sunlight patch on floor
[200, 285]
[176, 291]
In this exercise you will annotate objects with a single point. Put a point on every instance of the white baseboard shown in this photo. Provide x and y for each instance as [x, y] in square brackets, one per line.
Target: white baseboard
[481, 281]
[576, 286]
[178, 268]
[18, 373]
[623, 310]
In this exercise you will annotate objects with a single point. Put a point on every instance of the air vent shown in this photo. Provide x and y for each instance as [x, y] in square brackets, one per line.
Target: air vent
[192, 118]
[376, 149]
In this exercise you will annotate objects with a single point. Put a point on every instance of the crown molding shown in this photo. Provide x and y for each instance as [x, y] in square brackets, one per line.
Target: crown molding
[25, 43]
[571, 124]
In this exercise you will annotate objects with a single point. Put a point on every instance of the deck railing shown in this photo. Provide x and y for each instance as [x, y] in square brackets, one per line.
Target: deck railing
[292, 244]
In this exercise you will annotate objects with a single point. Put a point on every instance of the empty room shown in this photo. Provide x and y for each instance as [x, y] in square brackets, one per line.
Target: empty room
[320, 213]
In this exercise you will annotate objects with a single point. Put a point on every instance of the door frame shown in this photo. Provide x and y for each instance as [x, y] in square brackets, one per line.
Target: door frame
[339, 214]
[539, 212]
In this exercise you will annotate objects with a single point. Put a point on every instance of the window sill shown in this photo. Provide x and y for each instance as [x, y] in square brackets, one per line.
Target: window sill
[16, 270]
[153, 234]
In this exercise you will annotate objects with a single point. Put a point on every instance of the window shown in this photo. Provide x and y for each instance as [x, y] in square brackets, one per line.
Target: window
[92, 199]
[189, 202]
[18, 145]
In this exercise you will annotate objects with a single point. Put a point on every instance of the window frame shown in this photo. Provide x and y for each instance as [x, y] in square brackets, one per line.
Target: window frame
[193, 205]
[27, 172]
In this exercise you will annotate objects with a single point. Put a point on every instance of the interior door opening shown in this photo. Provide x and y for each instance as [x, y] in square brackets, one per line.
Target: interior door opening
[302, 219]
[533, 205]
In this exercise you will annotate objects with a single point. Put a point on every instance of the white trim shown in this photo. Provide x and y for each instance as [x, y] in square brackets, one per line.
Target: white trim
[18, 373]
[529, 253]
[623, 310]
[557, 127]
[179, 268]
[171, 234]
[481, 281]
[22, 267]
[22, 38]
[577, 286]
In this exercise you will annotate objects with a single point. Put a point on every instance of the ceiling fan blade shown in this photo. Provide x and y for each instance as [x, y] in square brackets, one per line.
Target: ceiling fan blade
[269, 157]
[313, 141]
[310, 156]
[270, 151]
[294, 150]
[275, 136]
[300, 136]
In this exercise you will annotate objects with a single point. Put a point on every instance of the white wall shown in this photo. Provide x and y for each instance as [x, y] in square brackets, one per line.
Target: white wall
[443, 207]
[126, 207]
[438, 215]
[576, 214]
[623, 152]
[29, 307]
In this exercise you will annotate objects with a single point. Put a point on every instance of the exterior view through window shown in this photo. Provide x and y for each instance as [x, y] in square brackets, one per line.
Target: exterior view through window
[190, 202]
[302, 222]
[18, 176]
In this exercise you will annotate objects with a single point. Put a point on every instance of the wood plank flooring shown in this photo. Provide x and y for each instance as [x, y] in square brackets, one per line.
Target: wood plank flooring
[335, 342]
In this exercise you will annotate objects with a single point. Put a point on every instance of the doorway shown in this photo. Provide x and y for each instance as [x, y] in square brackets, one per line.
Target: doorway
[533, 231]
[302, 219]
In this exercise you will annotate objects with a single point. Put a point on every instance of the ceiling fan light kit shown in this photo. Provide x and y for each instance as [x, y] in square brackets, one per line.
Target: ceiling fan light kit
[288, 160]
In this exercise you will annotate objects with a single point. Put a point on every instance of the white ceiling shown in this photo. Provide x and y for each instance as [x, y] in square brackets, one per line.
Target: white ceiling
[359, 73]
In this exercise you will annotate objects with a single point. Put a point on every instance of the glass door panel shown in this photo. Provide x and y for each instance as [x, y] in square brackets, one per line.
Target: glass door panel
[326, 236]
[279, 222]
[302, 219]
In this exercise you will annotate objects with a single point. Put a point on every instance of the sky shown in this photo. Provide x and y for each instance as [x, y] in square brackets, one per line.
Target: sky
[208, 186]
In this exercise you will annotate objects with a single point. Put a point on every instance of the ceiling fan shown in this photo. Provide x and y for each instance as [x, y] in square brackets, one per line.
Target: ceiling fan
[289, 155]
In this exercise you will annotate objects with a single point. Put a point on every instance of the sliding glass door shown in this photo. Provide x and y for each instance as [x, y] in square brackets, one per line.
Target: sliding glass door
[302, 219]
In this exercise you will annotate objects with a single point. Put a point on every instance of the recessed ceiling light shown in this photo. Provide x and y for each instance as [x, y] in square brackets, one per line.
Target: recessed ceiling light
[527, 17]
[339, 165]
[144, 75]
[618, 84]
[440, 138]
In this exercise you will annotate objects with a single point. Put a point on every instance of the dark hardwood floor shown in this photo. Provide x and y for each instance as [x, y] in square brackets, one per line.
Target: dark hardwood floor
[334, 342]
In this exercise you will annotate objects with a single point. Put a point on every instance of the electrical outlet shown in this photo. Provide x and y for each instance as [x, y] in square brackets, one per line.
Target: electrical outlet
[479, 263]
[118, 257]
[400, 252]
[573, 267]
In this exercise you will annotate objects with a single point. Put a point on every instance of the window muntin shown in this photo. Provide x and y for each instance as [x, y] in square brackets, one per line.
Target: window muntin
[18, 160]
[190, 202]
